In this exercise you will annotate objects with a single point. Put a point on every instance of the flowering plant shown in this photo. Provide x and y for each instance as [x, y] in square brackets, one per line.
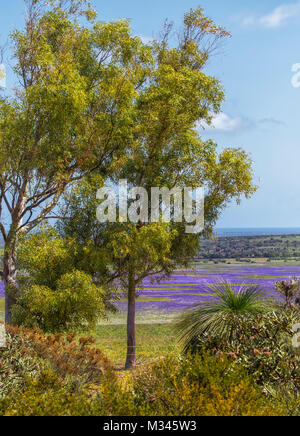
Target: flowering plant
[289, 289]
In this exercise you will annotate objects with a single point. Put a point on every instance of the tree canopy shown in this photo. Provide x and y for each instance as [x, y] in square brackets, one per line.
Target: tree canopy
[69, 115]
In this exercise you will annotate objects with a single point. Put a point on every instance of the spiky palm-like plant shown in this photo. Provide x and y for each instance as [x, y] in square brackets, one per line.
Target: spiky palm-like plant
[219, 315]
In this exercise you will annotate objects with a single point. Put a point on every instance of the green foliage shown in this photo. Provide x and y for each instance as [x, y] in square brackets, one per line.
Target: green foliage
[222, 313]
[53, 294]
[166, 151]
[47, 396]
[262, 345]
[73, 73]
[74, 305]
[45, 257]
[202, 386]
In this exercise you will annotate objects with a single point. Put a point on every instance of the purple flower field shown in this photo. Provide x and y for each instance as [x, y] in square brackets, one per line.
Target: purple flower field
[186, 288]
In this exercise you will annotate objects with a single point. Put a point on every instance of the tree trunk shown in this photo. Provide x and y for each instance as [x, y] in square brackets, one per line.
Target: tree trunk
[10, 278]
[131, 344]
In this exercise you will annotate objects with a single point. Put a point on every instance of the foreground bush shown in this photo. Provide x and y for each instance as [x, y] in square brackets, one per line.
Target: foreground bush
[47, 396]
[199, 386]
[17, 364]
[66, 356]
[60, 376]
[75, 304]
[207, 386]
[262, 345]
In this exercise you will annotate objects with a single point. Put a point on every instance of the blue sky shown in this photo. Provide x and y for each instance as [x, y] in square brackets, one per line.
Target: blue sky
[261, 112]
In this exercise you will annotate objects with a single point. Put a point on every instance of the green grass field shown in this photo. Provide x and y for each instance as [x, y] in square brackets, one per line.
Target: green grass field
[154, 339]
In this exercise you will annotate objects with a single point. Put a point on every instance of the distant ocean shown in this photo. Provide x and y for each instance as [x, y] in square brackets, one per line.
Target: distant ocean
[225, 232]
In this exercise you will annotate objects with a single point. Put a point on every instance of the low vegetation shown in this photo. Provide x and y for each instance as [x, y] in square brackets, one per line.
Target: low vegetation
[52, 385]
[251, 247]
[238, 359]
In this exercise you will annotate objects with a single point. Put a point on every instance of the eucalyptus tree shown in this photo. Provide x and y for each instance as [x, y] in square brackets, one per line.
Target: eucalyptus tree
[68, 116]
[166, 150]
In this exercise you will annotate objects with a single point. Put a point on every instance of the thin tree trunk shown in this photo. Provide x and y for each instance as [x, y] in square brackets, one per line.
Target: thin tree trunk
[131, 344]
[10, 277]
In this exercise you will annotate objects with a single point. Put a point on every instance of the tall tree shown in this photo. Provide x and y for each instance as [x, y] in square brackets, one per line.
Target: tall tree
[68, 116]
[166, 151]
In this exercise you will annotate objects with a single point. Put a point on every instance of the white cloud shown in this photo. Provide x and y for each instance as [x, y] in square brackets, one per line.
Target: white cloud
[224, 123]
[276, 18]
[280, 15]
[146, 39]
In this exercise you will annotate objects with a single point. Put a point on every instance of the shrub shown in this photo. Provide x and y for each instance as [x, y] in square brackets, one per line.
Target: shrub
[199, 386]
[57, 292]
[17, 364]
[74, 305]
[221, 314]
[45, 257]
[51, 375]
[263, 346]
[68, 357]
[48, 396]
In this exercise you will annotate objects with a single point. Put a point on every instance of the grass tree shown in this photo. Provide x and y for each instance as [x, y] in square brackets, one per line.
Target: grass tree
[69, 115]
[219, 312]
